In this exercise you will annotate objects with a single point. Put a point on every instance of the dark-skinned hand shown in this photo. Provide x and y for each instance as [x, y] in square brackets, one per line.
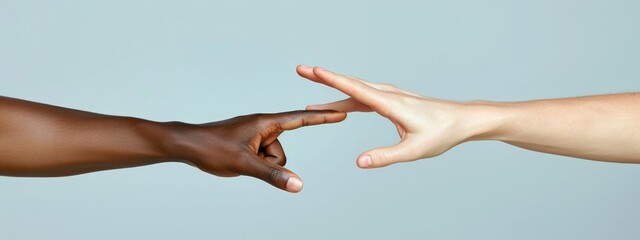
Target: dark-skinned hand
[248, 145]
[39, 140]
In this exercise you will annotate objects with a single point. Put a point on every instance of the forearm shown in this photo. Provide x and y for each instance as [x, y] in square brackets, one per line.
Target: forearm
[43, 140]
[604, 127]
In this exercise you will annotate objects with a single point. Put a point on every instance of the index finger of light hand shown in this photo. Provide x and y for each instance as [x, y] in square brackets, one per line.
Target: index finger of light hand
[358, 90]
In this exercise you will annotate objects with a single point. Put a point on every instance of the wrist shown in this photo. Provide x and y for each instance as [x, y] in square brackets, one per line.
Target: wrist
[487, 119]
[170, 139]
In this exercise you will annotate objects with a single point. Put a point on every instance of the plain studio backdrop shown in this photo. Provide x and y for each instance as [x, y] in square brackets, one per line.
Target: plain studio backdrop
[200, 61]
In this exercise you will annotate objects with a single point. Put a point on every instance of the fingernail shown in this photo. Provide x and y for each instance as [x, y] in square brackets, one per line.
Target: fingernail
[294, 184]
[364, 161]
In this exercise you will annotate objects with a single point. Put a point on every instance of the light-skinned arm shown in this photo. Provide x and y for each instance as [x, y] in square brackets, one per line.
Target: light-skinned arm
[602, 127]
[39, 140]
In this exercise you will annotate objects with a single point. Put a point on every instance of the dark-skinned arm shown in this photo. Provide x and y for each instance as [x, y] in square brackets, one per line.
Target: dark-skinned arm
[39, 140]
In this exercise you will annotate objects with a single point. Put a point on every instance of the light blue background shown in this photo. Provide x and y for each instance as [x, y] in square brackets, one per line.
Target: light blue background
[200, 61]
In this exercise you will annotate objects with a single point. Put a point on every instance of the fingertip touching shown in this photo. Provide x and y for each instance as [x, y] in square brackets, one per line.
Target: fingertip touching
[297, 119]
[314, 107]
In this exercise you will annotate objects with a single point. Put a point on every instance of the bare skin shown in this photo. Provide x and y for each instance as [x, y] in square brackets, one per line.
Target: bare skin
[39, 140]
[604, 127]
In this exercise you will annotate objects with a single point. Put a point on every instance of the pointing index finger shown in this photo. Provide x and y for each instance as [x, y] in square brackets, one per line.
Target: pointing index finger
[297, 119]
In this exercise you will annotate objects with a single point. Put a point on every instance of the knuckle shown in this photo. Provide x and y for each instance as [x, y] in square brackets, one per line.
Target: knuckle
[275, 174]
[406, 100]
[261, 120]
[380, 159]
[260, 116]
[290, 115]
[299, 112]
[304, 122]
[388, 86]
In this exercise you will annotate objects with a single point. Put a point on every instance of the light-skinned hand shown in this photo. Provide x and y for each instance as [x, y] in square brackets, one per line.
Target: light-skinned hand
[427, 127]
